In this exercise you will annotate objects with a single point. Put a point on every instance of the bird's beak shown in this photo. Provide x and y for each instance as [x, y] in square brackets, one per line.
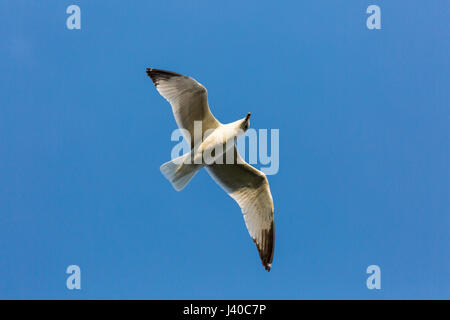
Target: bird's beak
[247, 117]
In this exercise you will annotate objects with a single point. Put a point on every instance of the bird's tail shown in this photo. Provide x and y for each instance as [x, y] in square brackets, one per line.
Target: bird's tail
[178, 172]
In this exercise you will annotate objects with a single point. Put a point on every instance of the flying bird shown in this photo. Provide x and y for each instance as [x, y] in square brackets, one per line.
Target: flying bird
[245, 184]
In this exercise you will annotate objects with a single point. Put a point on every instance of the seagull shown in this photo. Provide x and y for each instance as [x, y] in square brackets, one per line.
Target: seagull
[245, 184]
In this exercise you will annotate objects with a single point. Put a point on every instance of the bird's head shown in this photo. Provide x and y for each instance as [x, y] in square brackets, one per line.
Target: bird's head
[245, 122]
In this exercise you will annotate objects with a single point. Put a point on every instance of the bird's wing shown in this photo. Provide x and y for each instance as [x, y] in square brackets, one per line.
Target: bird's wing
[188, 98]
[250, 188]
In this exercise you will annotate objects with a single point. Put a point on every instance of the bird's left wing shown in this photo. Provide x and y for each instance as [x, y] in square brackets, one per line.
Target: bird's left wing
[188, 98]
[250, 188]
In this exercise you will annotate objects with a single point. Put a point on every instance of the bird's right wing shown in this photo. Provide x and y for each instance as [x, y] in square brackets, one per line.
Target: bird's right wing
[250, 189]
[188, 98]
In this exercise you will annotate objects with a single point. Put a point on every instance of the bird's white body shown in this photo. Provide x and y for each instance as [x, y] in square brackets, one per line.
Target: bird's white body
[218, 142]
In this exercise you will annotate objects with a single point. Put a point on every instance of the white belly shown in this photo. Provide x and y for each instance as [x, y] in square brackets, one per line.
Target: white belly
[214, 146]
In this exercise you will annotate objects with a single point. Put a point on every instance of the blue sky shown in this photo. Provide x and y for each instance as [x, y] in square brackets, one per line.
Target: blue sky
[364, 149]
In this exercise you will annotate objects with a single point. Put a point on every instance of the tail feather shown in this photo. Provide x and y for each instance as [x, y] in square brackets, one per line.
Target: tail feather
[178, 172]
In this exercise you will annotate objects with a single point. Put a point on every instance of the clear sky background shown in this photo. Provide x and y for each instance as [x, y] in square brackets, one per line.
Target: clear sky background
[364, 149]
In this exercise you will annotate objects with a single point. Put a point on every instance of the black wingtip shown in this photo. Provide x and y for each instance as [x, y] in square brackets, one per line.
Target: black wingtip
[156, 75]
[266, 248]
[150, 74]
